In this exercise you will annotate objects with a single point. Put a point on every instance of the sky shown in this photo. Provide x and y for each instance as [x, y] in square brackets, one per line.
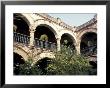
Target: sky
[74, 19]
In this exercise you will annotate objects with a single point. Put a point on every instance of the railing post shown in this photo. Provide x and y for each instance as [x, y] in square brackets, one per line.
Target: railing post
[32, 30]
[46, 44]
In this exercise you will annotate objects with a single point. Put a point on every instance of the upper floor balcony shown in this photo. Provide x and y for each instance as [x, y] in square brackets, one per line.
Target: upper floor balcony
[24, 39]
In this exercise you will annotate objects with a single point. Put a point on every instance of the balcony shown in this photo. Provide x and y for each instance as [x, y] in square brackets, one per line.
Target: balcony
[24, 39]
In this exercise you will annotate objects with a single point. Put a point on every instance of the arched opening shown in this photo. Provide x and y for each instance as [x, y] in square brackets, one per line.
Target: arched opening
[94, 64]
[21, 24]
[17, 61]
[20, 29]
[45, 37]
[43, 63]
[93, 70]
[67, 40]
[89, 44]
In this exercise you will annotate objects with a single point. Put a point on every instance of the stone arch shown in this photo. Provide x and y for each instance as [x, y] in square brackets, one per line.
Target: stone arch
[43, 63]
[25, 17]
[88, 43]
[47, 30]
[70, 34]
[51, 28]
[86, 31]
[21, 52]
[22, 22]
[44, 55]
[17, 61]
[47, 24]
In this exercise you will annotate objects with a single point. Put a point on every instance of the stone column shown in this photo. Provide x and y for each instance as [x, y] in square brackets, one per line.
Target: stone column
[58, 44]
[32, 30]
[77, 46]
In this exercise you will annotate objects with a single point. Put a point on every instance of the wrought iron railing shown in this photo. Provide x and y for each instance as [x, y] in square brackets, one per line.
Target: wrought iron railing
[21, 38]
[92, 50]
[44, 44]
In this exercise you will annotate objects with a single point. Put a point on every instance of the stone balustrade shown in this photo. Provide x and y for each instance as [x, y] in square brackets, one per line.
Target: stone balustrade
[92, 21]
[55, 20]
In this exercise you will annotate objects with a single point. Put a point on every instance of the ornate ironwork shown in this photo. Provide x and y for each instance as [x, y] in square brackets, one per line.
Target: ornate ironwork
[45, 44]
[21, 38]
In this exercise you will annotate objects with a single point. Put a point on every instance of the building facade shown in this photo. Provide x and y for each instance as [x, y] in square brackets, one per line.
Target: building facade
[29, 27]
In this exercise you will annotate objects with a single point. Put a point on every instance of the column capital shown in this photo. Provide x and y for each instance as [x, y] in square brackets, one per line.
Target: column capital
[78, 42]
[32, 28]
[58, 38]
